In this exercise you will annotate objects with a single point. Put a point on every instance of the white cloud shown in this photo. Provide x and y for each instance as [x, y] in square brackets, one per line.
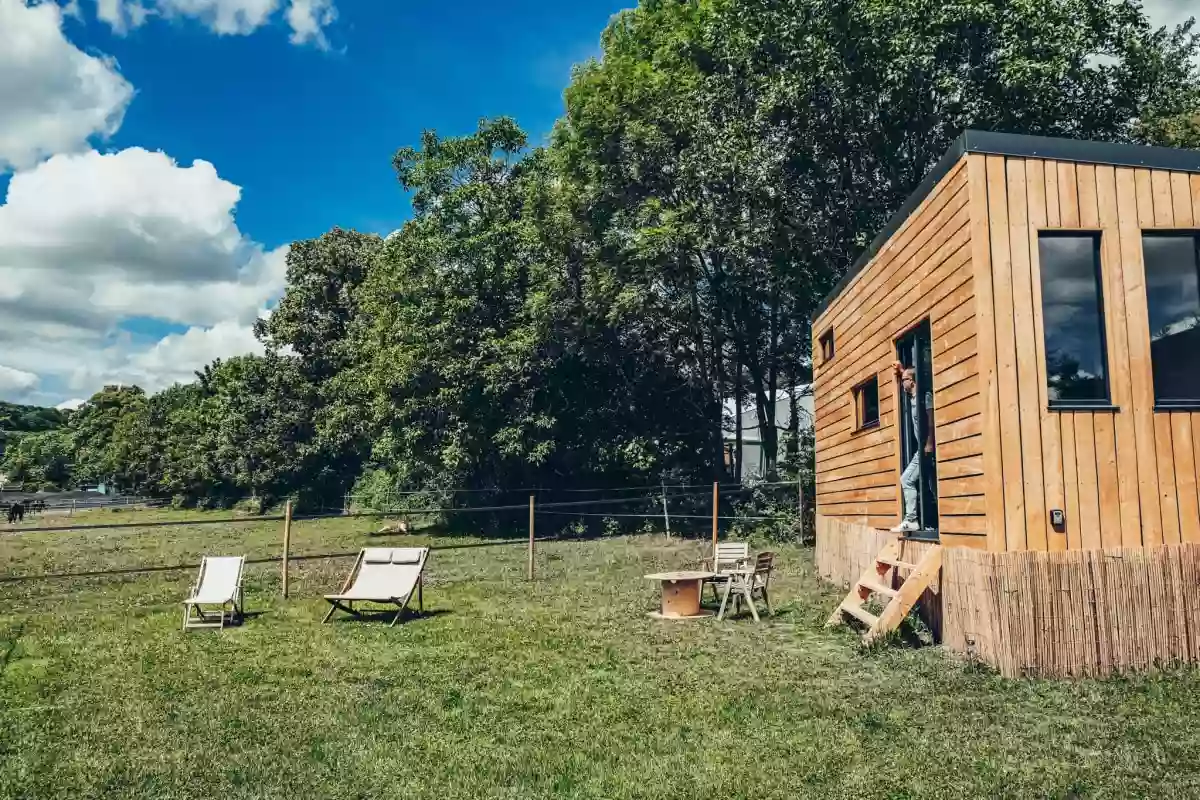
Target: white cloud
[53, 96]
[70, 405]
[90, 240]
[308, 19]
[176, 358]
[16, 383]
[1170, 12]
[226, 17]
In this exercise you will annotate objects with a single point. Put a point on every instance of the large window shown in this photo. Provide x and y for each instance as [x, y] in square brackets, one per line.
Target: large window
[1173, 297]
[1073, 319]
[866, 403]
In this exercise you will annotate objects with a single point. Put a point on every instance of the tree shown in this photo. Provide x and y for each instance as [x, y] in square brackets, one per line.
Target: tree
[313, 320]
[99, 453]
[732, 157]
[496, 357]
[319, 303]
[42, 459]
[256, 428]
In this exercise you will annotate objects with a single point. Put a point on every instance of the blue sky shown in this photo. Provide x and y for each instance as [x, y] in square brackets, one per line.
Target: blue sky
[309, 134]
[157, 156]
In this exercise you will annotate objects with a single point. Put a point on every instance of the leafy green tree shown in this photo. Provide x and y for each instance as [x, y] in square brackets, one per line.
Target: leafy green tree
[41, 459]
[98, 453]
[732, 157]
[313, 320]
[255, 429]
[496, 358]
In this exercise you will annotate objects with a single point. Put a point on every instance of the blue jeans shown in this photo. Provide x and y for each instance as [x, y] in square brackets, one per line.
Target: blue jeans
[909, 480]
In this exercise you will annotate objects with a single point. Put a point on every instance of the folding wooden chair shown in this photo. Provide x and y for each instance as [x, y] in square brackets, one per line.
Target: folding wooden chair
[728, 556]
[218, 584]
[748, 583]
[382, 575]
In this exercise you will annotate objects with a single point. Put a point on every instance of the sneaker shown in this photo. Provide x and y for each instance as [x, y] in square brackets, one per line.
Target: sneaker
[907, 526]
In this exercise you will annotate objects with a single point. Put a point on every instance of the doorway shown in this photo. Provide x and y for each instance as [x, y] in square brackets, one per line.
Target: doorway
[915, 350]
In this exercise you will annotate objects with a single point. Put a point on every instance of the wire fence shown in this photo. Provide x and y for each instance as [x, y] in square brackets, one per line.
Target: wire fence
[609, 508]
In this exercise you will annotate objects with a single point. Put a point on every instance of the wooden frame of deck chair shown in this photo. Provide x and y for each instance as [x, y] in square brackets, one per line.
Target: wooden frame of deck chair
[219, 583]
[728, 556]
[386, 575]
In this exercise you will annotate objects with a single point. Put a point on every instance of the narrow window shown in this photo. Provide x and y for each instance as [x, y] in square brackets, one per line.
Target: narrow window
[826, 342]
[1173, 298]
[866, 403]
[1073, 319]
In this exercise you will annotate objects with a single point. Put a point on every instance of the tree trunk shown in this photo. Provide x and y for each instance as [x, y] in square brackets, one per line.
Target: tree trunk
[738, 467]
[770, 434]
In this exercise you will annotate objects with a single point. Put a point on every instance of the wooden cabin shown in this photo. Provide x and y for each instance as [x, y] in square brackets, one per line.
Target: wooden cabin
[1045, 294]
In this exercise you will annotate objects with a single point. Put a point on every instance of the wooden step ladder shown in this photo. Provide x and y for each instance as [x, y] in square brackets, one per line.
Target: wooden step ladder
[875, 581]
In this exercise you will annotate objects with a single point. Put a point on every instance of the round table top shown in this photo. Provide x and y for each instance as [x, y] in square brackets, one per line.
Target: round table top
[684, 575]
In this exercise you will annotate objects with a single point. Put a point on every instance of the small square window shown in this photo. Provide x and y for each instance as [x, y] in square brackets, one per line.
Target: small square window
[826, 342]
[866, 403]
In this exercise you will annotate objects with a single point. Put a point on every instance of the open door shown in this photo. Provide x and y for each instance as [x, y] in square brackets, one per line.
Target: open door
[915, 349]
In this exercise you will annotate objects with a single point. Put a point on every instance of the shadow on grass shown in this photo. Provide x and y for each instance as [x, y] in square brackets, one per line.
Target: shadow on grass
[375, 616]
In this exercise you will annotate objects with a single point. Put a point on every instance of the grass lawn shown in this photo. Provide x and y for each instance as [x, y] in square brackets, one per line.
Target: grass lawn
[505, 690]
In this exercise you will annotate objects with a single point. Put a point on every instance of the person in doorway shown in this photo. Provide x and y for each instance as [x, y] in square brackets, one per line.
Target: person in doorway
[910, 478]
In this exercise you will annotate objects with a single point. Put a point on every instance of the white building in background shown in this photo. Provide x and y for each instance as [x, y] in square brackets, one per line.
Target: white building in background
[752, 452]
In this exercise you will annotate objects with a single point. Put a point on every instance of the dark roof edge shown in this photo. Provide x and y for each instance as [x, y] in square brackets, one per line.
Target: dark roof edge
[1023, 146]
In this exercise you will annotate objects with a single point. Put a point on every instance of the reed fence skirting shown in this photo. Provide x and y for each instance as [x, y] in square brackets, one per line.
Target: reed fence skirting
[1063, 614]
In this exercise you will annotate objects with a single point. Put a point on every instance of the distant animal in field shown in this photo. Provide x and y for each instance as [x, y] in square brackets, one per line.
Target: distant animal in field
[393, 527]
[16, 513]
[35, 506]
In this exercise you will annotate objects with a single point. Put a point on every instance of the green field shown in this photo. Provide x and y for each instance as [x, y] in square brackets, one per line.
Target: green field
[560, 689]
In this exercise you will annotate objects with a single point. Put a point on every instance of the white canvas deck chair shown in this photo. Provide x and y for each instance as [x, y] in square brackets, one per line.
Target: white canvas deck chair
[218, 584]
[387, 575]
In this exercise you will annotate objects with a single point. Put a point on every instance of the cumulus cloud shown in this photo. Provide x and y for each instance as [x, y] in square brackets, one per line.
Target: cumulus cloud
[307, 18]
[16, 383]
[89, 240]
[53, 96]
[178, 356]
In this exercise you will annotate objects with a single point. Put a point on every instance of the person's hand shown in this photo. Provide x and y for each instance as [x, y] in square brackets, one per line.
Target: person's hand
[897, 368]
[928, 448]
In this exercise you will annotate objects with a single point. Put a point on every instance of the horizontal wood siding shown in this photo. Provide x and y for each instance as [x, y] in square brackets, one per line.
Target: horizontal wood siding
[1126, 478]
[925, 270]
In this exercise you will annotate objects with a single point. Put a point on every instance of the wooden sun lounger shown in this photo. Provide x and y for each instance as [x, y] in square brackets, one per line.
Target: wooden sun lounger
[386, 575]
[218, 584]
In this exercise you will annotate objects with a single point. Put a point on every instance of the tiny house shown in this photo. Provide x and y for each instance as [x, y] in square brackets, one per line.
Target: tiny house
[1043, 296]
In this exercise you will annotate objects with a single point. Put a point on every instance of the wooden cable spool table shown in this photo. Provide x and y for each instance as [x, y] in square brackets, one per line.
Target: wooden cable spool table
[681, 594]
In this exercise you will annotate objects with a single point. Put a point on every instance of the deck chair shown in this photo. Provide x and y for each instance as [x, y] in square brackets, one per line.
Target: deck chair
[218, 584]
[386, 575]
[728, 557]
[748, 583]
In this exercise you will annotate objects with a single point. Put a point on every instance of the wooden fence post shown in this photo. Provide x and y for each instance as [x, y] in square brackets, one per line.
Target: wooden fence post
[530, 537]
[715, 523]
[666, 514]
[287, 543]
[800, 502]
